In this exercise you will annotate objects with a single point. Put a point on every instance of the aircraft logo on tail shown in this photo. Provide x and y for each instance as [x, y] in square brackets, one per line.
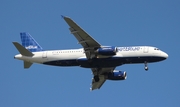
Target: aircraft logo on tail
[31, 47]
[29, 42]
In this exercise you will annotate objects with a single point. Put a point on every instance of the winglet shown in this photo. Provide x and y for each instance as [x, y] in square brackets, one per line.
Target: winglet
[62, 16]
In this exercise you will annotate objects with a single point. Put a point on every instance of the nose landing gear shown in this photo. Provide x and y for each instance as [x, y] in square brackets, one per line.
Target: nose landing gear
[146, 66]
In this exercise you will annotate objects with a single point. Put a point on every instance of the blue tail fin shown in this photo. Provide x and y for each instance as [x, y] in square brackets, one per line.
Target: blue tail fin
[29, 42]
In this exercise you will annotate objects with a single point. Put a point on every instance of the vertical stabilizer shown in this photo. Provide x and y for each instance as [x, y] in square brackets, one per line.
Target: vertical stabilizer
[29, 42]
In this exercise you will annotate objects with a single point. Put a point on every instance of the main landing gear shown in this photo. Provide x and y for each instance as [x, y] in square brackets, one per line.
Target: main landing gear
[96, 75]
[96, 78]
[146, 66]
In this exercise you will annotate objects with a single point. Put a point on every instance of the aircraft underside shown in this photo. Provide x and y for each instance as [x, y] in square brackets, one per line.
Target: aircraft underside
[103, 62]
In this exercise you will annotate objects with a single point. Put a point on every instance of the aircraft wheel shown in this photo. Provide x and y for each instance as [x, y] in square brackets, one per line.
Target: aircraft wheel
[96, 78]
[146, 68]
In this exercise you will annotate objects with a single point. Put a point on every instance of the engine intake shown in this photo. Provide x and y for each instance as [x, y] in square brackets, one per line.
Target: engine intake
[109, 50]
[117, 75]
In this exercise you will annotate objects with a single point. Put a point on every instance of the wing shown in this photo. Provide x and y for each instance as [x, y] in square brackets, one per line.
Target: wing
[97, 85]
[88, 43]
[102, 72]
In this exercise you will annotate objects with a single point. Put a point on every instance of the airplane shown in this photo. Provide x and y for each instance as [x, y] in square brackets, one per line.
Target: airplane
[102, 60]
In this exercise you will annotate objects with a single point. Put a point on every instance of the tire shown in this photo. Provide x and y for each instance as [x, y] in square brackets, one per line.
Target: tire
[96, 78]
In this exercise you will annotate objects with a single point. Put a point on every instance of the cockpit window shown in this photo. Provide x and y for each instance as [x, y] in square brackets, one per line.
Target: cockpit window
[156, 49]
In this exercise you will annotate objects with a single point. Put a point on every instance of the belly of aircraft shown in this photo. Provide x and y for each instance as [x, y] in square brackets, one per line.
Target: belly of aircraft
[103, 62]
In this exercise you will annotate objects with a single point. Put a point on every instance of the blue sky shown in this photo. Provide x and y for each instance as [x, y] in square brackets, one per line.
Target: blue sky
[117, 23]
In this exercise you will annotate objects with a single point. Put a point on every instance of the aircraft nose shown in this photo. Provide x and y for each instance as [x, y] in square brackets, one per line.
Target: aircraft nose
[165, 55]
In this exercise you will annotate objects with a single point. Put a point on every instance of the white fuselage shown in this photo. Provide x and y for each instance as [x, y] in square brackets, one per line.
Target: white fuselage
[77, 57]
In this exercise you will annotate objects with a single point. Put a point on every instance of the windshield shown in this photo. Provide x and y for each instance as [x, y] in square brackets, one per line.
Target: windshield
[156, 49]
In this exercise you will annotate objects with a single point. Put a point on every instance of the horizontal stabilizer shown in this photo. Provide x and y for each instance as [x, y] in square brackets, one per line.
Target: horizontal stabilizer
[27, 64]
[23, 51]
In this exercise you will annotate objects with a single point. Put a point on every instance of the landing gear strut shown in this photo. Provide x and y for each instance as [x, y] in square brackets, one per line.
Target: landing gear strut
[146, 66]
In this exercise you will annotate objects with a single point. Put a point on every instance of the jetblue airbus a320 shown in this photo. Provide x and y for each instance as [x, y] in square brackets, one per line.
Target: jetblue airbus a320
[102, 60]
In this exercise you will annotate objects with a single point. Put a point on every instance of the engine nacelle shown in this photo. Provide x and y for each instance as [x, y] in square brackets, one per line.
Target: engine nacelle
[108, 50]
[117, 75]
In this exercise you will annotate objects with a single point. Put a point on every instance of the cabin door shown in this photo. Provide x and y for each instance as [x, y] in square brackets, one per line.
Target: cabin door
[146, 49]
[44, 55]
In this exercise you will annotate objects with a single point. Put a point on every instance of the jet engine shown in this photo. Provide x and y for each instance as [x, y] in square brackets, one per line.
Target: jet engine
[117, 75]
[108, 50]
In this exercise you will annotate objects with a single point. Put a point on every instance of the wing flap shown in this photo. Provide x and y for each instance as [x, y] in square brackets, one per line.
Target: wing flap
[102, 71]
